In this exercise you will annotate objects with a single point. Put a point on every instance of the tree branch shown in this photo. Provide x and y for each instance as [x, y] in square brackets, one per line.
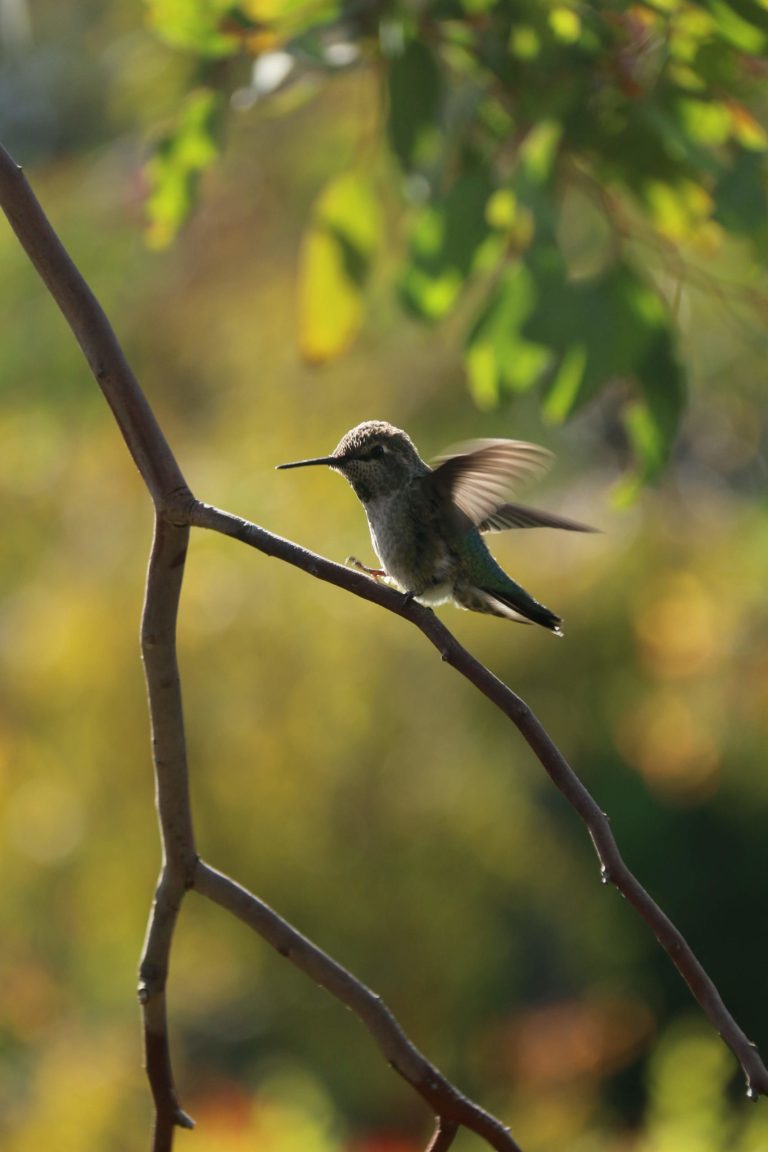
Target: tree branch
[180, 866]
[443, 1136]
[450, 1105]
[613, 867]
[158, 647]
[176, 511]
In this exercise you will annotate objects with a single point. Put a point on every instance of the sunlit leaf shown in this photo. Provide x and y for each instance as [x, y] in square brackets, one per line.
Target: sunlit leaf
[289, 18]
[501, 209]
[652, 419]
[174, 171]
[524, 42]
[310, 12]
[678, 209]
[565, 23]
[497, 356]
[743, 34]
[648, 448]
[494, 112]
[706, 121]
[666, 5]
[622, 326]
[445, 240]
[749, 132]
[193, 27]
[563, 392]
[593, 331]
[335, 260]
[537, 153]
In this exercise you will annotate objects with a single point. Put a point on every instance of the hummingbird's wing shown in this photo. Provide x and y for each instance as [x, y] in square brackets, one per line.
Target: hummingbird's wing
[477, 477]
[518, 516]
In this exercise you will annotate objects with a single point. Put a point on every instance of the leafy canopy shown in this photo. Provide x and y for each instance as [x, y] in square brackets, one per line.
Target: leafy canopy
[557, 157]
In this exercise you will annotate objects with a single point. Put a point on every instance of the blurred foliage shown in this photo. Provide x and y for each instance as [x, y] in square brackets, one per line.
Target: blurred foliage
[338, 769]
[495, 113]
[335, 259]
[174, 170]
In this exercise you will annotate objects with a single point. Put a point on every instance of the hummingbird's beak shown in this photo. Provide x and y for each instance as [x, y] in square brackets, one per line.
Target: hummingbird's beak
[329, 460]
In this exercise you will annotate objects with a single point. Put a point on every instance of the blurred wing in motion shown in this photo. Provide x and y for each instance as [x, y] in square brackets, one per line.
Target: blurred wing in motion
[477, 477]
[518, 516]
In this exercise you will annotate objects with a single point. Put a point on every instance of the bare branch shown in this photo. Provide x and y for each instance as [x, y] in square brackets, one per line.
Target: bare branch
[157, 1053]
[443, 1136]
[613, 867]
[181, 869]
[158, 646]
[369, 1008]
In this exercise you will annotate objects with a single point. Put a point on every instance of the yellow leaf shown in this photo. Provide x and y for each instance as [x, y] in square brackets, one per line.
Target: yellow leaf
[747, 130]
[565, 23]
[336, 251]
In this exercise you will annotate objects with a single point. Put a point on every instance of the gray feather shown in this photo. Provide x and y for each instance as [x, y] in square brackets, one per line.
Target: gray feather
[518, 516]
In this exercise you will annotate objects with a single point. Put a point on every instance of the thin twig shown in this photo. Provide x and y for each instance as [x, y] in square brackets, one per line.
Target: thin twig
[443, 1136]
[403, 1056]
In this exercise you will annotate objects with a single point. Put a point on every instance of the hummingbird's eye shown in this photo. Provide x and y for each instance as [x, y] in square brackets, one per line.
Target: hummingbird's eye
[376, 452]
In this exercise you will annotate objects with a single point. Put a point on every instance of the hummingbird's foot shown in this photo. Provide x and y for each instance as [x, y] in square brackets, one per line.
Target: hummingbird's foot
[376, 573]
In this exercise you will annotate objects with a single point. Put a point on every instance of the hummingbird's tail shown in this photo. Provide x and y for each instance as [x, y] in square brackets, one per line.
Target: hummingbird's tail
[516, 604]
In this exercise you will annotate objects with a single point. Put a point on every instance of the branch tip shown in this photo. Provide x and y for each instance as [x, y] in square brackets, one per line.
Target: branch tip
[443, 1136]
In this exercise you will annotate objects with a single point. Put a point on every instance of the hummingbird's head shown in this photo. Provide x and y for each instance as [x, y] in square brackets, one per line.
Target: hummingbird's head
[375, 457]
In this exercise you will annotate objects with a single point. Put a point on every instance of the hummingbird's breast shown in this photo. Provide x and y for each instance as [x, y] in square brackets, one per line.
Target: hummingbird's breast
[410, 545]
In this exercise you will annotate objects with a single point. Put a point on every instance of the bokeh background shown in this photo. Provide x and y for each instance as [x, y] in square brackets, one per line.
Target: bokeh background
[338, 769]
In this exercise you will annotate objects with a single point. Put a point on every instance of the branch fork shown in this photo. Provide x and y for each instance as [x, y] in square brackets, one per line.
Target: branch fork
[176, 511]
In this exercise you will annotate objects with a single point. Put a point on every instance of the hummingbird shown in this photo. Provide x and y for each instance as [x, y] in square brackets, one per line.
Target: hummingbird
[427, 523]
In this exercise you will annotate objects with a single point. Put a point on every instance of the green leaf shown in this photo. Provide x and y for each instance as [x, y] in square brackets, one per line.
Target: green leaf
[662, 385]
[335, 259]
[538, 151]
[217, 28]
[707, 122]
[415, 89]
[584, 334]
[444, 244]
[563, 392]
[193, 27]
[174, 171]
[651, 420]
[300, 21]
[742, 34]
[497, 355]
[615, 318]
